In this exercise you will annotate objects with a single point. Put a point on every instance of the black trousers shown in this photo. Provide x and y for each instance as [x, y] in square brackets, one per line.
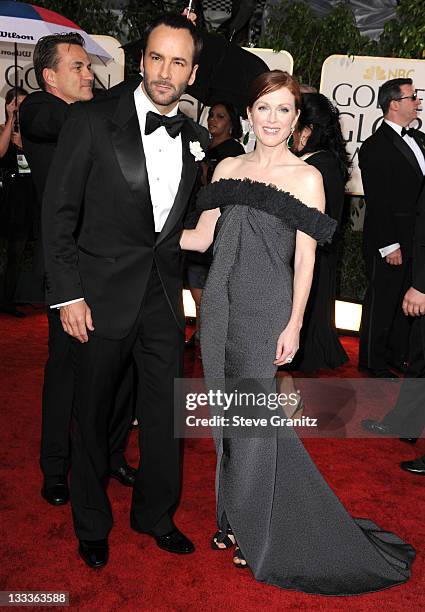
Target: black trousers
[382, 325]
[156, 343]
[407, 418]
[58, 396]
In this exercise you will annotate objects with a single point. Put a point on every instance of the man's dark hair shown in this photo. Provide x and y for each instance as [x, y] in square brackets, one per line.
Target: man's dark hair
[391, 91]
[46, 55]
[177, 22]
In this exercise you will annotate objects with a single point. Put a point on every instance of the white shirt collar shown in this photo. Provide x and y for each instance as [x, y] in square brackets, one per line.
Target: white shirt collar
[396, 127]
[145, 104]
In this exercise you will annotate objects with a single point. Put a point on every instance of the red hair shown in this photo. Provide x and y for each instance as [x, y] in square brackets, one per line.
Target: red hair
[272, 81]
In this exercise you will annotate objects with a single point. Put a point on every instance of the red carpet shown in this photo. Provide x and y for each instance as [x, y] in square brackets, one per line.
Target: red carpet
[38, 548]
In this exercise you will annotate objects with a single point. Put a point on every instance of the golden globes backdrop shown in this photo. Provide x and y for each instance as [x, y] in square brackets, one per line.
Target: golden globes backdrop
[107, 73]
[352, 84]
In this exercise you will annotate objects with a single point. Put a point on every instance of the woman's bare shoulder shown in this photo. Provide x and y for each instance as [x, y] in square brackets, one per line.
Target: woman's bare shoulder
[306, 184]
[309, 173]
[228, 168]
[306, 174]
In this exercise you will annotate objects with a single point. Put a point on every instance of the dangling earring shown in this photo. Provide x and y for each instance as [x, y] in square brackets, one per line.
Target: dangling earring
[290, 140]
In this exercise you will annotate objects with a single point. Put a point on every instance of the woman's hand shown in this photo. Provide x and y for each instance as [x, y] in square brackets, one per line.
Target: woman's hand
[11, 109]
[17, 140]
[287, 344]
[191, 16]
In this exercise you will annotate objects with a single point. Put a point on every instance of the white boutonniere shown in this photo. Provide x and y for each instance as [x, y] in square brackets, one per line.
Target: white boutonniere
[196, 150]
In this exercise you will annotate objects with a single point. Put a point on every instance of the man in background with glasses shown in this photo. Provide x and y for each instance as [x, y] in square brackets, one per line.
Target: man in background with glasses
[392, 163]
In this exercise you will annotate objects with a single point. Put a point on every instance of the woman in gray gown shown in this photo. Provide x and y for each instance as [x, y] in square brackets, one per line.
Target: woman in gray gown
[289, 526]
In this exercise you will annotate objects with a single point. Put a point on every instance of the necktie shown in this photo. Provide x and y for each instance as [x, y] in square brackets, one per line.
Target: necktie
[408, 131]
[173, 125]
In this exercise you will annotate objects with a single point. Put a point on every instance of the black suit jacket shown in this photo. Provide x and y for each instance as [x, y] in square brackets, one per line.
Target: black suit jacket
[41, 116]
[98, 226]
[392, 181]
[418, 262]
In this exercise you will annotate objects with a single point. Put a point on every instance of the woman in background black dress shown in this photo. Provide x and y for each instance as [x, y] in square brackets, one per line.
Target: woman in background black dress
[319, 141]
[225, 129]
[17, 200]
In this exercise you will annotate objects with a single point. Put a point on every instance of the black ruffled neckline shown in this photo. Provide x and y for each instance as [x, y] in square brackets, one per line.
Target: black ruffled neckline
[270, 199]
[253, 182]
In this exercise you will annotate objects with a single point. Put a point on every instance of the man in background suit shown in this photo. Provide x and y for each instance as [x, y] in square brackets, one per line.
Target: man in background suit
[392, 164]
[62, 69]
[407, 418]
[112, 219]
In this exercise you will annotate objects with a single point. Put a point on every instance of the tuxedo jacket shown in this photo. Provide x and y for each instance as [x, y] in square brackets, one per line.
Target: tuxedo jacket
[392, 181]
[98, 225]
[41, 117]
[418, 260]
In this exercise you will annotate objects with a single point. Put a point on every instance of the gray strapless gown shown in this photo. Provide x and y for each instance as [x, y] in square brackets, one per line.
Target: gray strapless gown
[289, 524]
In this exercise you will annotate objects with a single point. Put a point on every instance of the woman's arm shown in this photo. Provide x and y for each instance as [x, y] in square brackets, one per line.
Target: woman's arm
[201, 238]
[288, 343]
[6, 132]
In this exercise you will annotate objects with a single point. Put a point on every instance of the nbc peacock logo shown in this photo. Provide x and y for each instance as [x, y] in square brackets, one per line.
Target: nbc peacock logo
[375, 73]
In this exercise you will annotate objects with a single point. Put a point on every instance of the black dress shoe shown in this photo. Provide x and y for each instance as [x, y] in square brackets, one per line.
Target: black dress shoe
[409, 440]
[174, 541]
[12, 311]
[384, 373]
[400, 366]
[417, 466]
[94, 553]
[57, 494]
[376, 427]
[126, 475]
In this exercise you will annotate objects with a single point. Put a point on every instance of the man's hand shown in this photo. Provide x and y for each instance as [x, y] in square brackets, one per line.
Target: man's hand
[414, 303]
[76, 320]
[394, 258]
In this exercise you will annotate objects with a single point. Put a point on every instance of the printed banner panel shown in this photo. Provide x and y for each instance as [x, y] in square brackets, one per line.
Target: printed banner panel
[352, 84]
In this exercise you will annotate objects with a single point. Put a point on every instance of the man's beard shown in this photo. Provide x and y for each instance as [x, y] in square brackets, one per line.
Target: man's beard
[164, 99]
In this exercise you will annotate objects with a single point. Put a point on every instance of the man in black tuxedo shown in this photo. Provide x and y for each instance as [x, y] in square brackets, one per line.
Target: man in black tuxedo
[112, 219]
[392, 165]
[407, 418]
[62, 69]
[410, 407]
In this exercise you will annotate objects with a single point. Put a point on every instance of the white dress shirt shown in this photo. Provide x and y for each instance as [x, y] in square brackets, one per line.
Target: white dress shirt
[164, 164]
[411, 142]
[163, 160]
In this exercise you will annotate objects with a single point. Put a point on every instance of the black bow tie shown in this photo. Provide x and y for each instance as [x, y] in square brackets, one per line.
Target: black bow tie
[408, 131]
[173, 125]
